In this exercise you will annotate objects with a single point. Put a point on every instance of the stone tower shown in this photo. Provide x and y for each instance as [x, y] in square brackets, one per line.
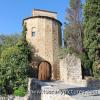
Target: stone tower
[44, 33]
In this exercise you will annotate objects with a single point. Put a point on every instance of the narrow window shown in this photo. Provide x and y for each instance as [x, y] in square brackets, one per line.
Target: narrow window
[33, 31]
[33, 34]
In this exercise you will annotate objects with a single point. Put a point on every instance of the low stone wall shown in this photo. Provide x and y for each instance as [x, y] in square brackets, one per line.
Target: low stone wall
[56, 90]
[11, 97]
[93, 83]
[70, 68]
[71, 72]
[39, 90]
[56, 97]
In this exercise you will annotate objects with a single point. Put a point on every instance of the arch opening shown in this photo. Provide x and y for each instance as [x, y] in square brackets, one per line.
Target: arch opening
[44, 70]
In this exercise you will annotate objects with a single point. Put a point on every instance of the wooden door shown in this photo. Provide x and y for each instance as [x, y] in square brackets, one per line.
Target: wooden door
[44, 72]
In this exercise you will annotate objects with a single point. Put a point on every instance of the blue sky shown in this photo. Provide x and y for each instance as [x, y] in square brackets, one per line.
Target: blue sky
[12, 12]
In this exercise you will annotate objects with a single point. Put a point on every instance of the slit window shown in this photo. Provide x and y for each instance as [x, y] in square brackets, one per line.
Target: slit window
[33, 34]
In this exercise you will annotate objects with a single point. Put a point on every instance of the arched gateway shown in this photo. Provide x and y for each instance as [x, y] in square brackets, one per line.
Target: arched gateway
[44, 70]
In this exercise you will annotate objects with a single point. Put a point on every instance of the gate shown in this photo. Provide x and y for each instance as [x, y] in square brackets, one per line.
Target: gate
[45, 71]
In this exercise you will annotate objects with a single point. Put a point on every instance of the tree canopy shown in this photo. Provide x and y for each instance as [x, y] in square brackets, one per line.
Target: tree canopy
[14, 63]
[92, 34]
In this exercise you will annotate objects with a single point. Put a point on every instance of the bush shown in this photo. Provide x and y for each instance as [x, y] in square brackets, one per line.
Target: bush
[96, 70]
[64, 51]
[20, 92]
[14, 64]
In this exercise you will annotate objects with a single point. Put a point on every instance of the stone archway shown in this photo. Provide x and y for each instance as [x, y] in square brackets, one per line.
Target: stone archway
[44, 70]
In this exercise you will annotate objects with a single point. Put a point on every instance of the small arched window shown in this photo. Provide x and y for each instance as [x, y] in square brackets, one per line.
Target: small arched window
[33, 34]
[33, 31]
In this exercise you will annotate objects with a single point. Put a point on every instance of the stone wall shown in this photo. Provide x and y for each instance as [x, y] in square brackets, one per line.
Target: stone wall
[56, 97]
[93, 83]
[55, 90]
[38, 12]
[11, 97]
[41, 90]
[70, 72]
[70, 68]
[47, 38]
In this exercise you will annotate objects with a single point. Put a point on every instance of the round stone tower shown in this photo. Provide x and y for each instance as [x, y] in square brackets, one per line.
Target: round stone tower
[44, 34]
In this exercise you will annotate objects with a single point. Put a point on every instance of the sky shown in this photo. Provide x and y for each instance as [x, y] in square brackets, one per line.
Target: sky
[12, 12]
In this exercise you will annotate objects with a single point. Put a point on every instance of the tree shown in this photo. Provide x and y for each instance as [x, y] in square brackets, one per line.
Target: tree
[5, 42]
[14, 65]
[73, 27]
[8, 41]
[92, 34]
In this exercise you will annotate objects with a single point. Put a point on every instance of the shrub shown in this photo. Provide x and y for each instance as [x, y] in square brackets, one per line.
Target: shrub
[20, 92]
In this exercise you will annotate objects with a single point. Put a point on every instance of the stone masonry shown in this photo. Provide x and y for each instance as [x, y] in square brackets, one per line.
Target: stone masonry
[70, 68]
[47, 37]
[42, 90]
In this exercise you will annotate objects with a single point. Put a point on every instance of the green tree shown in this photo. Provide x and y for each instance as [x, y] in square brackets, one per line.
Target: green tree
[14, 65]
[92, 34]
[8, 41]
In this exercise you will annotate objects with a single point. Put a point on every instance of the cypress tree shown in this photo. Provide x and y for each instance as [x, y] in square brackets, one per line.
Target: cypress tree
[91, 39]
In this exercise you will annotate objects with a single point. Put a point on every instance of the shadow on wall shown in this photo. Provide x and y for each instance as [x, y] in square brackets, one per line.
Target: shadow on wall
[39, 68]
[35, 59]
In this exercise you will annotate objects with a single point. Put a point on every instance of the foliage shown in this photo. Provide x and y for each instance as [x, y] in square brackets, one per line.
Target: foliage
[20, 92]
[8, 41]
[64, 51]
[14, 64]
[92, 34]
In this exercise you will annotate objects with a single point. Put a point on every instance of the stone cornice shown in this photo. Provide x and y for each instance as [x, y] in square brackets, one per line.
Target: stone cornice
[42, 17]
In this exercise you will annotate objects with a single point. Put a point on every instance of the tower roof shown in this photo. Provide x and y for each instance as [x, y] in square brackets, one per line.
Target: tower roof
[38, 12]
[45, 10]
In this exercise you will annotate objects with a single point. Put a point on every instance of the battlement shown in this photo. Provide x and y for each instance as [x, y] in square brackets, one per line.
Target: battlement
[38, 12]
